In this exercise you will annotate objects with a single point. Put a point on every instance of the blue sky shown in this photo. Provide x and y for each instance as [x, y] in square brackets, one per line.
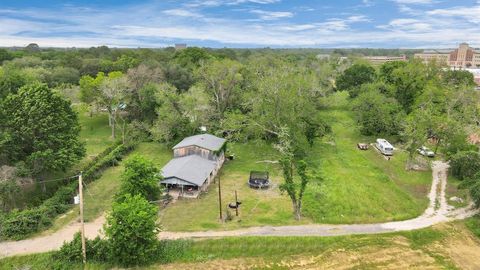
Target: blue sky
[241, 23]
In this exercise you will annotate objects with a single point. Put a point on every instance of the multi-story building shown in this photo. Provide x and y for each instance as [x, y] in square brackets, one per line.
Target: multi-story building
[462, 57]
[384, 59]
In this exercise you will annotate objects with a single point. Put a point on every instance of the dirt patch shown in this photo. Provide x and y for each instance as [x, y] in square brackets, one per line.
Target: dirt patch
[394, 257]
[463, 248]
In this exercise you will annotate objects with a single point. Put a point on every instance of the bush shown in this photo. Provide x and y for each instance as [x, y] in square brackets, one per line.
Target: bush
[96, 250]
[140, 177]
[465, 165]
[131, 231]
[475, 193]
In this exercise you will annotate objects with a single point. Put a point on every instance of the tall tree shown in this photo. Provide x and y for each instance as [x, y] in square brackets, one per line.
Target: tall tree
[354, 76]
[222, 80]
[112, 97]
[41, 128]
[294, 187]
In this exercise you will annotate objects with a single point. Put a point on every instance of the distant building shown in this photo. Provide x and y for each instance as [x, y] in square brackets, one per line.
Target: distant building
[384, 59]
[180, 46]
[463, 57]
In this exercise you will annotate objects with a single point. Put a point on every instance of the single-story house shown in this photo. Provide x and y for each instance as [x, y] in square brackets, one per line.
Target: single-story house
[196, 161]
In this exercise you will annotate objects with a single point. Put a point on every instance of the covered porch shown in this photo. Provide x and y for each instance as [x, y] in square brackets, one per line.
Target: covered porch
[178, 188]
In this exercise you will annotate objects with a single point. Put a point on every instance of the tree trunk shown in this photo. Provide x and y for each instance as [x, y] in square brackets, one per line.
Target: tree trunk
[113, 128]
[298, 211]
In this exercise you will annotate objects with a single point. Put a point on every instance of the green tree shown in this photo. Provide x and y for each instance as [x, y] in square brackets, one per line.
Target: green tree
[11, 79]
[465, 165]
[294, 187]
[410, 82]
[387, 69]
[354, 76]
[131, 231]
[141, 177]
[221, 80]
[377, 114]
[5, 55]
[113, 91]
[458, 78]
[172, 122]
[41, 129]
[90, 88]
[192, 57]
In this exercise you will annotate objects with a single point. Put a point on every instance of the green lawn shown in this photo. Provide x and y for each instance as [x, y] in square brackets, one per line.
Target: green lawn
[361, 186]
[95, 132]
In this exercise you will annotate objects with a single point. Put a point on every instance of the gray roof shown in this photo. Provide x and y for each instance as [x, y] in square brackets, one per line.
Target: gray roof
[193, 169]
[206, 141]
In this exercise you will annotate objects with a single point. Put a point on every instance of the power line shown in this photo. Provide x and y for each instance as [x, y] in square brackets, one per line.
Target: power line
[52, 180]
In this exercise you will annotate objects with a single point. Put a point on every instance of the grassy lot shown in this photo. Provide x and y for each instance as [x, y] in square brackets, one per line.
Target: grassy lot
[95, 131]
[259, 207]
[361, 186]
[447, 246]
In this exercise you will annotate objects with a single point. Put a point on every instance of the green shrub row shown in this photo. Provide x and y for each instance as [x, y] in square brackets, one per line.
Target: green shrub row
[19, 224]
[100, 251]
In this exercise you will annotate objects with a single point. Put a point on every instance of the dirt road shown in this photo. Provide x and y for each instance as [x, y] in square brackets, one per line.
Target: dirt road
[437, 212]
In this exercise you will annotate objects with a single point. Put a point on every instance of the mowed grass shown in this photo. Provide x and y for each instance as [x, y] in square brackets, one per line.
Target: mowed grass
[361, 186]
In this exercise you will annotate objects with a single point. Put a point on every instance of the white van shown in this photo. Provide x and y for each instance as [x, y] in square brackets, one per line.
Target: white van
[384, 147]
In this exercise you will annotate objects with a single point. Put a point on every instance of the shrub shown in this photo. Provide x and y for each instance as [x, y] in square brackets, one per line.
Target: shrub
[465, 165]
[96, 250]
[475, 193]
[140, 177]
[131, 231]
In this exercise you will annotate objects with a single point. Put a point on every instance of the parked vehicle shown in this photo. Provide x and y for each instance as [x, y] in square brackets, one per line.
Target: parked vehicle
[384, 147]
[362, 146]
[424, 151]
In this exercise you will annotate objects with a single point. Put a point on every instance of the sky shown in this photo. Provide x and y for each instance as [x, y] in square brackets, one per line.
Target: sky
[241, 23]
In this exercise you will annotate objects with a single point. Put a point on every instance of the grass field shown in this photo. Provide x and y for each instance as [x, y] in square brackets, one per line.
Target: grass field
[361, 186]
[446, 246]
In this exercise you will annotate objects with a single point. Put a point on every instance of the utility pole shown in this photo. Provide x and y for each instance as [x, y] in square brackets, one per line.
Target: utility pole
[82, 225]
[220, 198]
[236, 203]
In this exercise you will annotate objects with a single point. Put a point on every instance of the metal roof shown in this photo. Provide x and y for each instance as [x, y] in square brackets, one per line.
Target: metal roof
[206, 141]
[193, 169]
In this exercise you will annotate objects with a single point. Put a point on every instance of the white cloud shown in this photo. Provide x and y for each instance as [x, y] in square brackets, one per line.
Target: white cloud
[141, 25]
[471, 14]
[182, 13]
[413, 2]
[272, 15]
